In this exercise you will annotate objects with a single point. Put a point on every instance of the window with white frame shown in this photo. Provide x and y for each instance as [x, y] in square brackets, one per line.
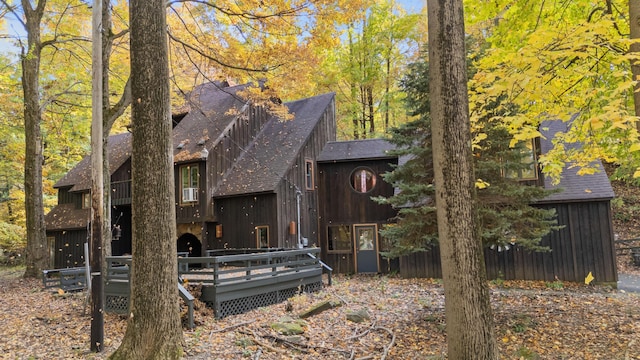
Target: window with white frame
[190, 177]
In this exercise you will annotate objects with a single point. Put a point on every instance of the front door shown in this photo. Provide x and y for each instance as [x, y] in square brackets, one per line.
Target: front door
[366, 245]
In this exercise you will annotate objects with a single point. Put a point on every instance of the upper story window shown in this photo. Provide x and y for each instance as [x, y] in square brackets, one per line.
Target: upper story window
[528, 170]
[190, 177]
[86, 200]
[363, 180]
[308, 180]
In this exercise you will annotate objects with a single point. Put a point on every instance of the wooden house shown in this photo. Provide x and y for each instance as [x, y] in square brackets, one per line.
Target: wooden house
[244, 178]
[584, 244]
[247, 180]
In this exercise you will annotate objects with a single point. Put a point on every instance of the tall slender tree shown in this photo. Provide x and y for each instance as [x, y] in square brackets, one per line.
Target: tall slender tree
[153, 329]
[470, 332]
[37, 253]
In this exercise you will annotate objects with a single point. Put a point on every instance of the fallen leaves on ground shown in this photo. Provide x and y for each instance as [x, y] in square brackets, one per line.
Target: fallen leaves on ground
[534, 320]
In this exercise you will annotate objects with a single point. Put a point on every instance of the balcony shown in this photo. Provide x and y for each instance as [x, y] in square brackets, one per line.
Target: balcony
[121, 192]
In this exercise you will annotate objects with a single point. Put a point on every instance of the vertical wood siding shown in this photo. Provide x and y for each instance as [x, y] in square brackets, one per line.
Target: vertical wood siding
[339, 204]
[69, 248]
[584, 245]
[240, 215]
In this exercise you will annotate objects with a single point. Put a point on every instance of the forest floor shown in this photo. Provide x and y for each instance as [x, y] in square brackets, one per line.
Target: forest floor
[533, 320]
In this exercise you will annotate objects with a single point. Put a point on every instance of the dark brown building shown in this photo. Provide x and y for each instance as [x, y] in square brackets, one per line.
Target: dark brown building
[245, 179]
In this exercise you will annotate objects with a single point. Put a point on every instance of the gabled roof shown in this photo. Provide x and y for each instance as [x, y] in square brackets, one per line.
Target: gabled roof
[574, 187]
[79, 178]
[336, 151]
[263, 165]
[212, 108]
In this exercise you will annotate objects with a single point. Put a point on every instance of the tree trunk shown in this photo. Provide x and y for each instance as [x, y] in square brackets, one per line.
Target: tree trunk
[97, 184]
[634, 33]
[470, 331]
[37, 252]
[107, 41]
[153, 329]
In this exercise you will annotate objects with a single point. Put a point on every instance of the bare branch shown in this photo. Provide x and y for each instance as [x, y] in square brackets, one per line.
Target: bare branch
[12, 9]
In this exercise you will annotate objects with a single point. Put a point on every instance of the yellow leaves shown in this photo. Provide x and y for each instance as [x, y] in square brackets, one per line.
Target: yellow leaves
[481, 184]
[589, 278]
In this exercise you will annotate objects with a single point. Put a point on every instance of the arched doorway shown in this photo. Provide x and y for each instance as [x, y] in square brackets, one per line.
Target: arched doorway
[190, 243]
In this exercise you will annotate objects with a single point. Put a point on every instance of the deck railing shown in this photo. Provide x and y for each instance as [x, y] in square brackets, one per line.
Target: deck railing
[232, 284]
[121, 192]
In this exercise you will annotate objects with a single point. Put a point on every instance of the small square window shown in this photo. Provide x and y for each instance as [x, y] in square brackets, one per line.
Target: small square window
[339, 238]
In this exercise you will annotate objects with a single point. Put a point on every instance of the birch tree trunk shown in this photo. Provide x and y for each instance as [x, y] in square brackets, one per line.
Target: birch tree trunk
[470, 331]
[154, 329]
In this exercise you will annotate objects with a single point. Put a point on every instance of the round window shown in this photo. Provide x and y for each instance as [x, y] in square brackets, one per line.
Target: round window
[363, 180]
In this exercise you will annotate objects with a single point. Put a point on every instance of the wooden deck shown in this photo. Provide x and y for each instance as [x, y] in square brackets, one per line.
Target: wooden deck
[231, 284]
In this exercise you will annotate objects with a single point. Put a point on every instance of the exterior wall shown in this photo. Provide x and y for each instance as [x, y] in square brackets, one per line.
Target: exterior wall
[339, 204]
[68, 248]
[65, 197]
[239, 217]
[584, 245]
[296, 177]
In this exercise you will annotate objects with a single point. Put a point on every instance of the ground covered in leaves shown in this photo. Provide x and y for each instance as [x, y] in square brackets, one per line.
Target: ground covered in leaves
[534, 320]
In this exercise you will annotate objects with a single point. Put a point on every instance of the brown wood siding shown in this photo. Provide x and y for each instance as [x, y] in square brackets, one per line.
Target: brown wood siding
[339, 204]
[584, 245]
[240, 215]
[65, 197]
[69, 248]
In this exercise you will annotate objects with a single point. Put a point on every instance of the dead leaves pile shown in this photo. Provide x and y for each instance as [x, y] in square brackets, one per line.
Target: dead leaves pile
[534, 320]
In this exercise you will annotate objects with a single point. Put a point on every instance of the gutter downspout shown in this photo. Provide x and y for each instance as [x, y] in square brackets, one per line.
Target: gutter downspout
[298, 196]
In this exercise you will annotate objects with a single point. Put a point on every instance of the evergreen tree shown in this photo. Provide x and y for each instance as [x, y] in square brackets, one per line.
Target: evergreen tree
[505, 212]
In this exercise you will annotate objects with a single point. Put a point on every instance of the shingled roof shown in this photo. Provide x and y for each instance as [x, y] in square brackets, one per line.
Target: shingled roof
[263, 165]
[79, 178]
[212, 108]
[66, 217]
[369, 149]
[574, 187]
